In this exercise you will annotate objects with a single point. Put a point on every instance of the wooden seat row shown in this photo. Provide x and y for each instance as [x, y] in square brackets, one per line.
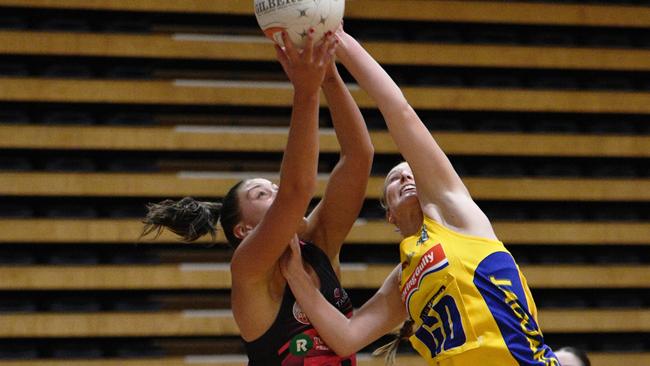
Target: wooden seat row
[221, 323]
[127, 231]
[188, 138]
[413, 10]
[215, 360]
[278, 94]
[180, 46]
[208, 184]
[597, 359]
[210, 276]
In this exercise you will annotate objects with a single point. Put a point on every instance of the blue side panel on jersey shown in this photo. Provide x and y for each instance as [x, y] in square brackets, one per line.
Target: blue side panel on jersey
[509, 314]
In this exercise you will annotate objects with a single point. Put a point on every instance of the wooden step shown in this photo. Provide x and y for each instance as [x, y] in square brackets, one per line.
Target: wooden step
[413, 10]
[249, 139]
[210, 276]
[245, 48]
[279, 94]
[405, 359]
[217, 184]
[379, 232]
[221, 323]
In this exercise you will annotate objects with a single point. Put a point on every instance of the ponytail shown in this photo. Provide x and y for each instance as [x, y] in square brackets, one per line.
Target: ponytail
[191, 219]
[188, 218]
[389, 350]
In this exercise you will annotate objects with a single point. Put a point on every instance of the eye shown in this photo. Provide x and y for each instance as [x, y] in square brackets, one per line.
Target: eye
[260, 194]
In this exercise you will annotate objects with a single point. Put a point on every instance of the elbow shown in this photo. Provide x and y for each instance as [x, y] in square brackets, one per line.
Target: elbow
[351, 344]
[308, 186]
[405, 110]
[303, 189]
[361, 158]
[367, 153]
[344, 350]
[399, 112]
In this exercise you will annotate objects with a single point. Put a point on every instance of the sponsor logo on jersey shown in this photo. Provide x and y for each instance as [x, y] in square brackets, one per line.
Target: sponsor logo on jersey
[301, 344]
[424, 236]
[340, 297]
[431, 261]
[300, 316]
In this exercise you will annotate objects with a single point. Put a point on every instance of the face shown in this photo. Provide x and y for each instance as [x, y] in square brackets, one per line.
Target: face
[400, 192]
[568, 359]
[255, 198]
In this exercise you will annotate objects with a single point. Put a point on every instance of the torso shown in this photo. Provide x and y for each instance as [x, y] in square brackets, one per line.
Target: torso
[291, 340]
[470, 302]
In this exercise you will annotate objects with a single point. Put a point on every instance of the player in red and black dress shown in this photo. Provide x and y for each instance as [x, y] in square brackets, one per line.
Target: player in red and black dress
[260, 219]
[292, 340]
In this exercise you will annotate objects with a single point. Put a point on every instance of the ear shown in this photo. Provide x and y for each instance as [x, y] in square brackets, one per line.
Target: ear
[241, 231]
[390, 218]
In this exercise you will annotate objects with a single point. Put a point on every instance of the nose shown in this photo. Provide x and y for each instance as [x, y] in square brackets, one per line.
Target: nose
[406, 176]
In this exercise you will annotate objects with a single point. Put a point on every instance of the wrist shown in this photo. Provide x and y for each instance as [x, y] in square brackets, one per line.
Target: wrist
[344, 42]
[305, 95]
[332, 79]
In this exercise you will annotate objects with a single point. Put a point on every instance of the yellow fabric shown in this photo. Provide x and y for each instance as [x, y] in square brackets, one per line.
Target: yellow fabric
[454, 323]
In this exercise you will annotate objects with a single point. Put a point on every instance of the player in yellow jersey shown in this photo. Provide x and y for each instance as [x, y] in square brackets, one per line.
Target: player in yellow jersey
[468, 301]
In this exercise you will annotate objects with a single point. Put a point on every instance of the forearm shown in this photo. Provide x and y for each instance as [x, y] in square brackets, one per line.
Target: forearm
[372, 78]
[300, 161]
[330, 222]
[377, 317]
[349, 125]
[411, 136]
[333, 327]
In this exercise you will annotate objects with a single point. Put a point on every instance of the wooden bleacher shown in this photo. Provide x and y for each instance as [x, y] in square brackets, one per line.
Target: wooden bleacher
[181, 46]
[189, 138]
[179, 103]
[208, 184]
[220, 323]
[601, 358]
[355, 275]
[411, 10]
[126, 231]
[278, 94]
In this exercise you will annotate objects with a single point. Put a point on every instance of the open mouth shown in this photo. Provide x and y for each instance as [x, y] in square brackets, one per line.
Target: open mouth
[408, 188]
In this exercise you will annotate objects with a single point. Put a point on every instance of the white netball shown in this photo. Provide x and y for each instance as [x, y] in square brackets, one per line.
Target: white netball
[297, 16]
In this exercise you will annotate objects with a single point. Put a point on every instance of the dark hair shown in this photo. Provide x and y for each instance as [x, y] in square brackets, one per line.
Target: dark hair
[389, 350]
[582, 356]
[192, 219]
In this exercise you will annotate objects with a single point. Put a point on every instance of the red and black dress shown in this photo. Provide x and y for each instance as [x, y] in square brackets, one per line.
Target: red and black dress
[292, 340]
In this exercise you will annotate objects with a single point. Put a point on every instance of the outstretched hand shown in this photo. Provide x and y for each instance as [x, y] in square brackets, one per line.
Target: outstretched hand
[306, 68]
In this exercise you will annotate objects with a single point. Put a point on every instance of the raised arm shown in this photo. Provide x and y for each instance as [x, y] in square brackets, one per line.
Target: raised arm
[438, 184]
[256, 257]
[332, 219]
[377, 317]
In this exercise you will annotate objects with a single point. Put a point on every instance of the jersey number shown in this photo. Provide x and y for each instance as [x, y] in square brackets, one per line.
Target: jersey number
[442, 327]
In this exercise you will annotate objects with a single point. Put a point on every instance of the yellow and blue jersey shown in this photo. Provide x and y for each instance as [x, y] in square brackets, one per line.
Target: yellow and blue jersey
[470, 303]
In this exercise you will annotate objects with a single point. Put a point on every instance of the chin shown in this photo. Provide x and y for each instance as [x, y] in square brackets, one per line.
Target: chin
[408, 202]
[410, 197]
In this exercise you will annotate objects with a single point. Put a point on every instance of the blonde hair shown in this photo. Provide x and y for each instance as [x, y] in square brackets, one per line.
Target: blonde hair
[382, 198]
[389, 350]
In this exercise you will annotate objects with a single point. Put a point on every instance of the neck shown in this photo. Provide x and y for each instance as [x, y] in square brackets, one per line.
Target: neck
[410, 222]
